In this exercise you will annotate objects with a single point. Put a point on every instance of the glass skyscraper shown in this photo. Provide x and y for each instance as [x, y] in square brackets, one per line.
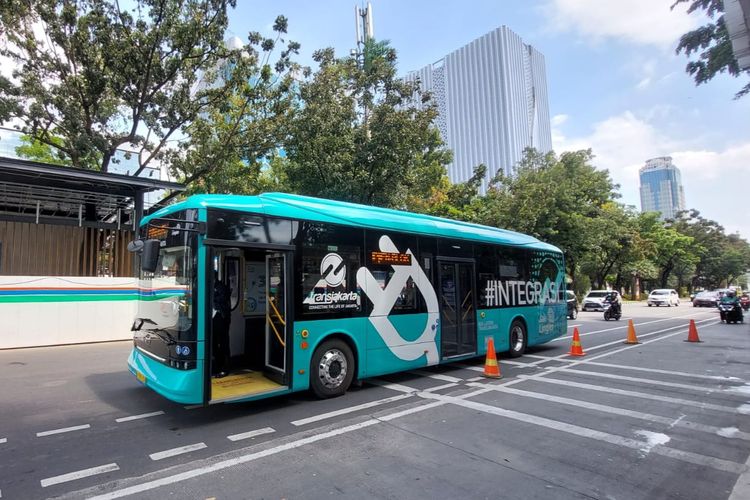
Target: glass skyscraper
[661, 187]
[491, 96]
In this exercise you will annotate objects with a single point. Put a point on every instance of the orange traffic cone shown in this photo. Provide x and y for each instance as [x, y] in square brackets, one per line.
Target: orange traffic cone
[491, 368]
[575, 347]
[693, 333]
[632, 339]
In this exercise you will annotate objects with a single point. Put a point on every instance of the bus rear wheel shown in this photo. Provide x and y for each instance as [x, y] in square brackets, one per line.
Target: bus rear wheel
[517, 339]
[331, 369]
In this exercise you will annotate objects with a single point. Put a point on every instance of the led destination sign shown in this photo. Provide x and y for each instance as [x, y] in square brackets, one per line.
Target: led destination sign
[388, 258]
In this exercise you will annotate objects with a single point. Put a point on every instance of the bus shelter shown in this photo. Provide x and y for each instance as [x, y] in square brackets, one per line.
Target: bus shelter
[65, 273]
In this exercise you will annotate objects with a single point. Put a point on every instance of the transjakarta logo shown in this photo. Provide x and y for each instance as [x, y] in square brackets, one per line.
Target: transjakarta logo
[520, 293]
[383, 300]
[333, 272]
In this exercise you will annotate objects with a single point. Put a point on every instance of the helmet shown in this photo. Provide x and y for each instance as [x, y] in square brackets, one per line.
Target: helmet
[731, 293]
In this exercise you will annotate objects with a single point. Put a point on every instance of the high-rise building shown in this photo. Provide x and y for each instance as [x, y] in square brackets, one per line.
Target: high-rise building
[492, 101]
[661, 187]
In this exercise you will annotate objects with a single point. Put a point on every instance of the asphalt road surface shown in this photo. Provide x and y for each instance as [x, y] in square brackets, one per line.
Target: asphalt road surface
[661, 419]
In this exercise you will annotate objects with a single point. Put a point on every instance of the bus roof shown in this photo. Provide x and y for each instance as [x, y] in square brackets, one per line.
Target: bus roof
[351, 214]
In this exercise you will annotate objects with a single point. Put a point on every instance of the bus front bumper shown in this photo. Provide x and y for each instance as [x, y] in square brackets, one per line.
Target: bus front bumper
[180, 386]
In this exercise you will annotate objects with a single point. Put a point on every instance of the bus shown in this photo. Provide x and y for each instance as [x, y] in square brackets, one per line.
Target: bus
[320, 293]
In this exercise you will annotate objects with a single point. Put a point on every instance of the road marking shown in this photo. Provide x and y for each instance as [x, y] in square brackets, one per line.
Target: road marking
[436, 376]
[60, 431]
[71, 476]
[575, 326]
[741, 490]
[3, 440]
[635, 394]
[567, 337]
[177, 451]
[720, 378]
[136, 417]
[250, 434]
[724, 432]
[645, 381]
[578, 431]
[393, 387]
[344, 411]
[224, 464]
[441, 387]
[474, 379]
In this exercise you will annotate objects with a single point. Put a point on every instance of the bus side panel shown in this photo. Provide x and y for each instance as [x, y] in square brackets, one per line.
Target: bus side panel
[317, 332]
[543, 324]
[414, 346]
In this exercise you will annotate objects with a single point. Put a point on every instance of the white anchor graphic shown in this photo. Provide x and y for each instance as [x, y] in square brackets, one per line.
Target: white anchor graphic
[383, 301]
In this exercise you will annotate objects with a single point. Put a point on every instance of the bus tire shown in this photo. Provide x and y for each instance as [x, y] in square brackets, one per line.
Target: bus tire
[331, 369]
[517, 339]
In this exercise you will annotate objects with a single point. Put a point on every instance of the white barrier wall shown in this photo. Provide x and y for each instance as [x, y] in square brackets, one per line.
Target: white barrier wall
[40, 311]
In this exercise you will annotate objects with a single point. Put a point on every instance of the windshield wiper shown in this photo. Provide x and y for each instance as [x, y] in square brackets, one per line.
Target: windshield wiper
[164, 335]
[135, 328]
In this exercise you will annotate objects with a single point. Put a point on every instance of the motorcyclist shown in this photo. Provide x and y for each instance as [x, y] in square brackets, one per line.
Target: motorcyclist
[613, 298]
[735, 314]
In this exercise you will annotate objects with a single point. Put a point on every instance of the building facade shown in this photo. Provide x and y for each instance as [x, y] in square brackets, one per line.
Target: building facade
[661, 187]
[492, 101]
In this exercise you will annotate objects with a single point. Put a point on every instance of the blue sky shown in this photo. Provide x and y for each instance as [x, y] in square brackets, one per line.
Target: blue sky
[615, 82]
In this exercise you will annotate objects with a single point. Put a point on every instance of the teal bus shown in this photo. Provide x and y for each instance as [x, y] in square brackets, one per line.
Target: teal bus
[318, 293]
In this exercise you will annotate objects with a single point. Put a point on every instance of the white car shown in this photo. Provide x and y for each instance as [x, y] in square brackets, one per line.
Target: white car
[593, 301]
[663, 297]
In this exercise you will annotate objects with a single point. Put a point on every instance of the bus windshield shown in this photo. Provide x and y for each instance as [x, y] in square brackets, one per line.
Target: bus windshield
[165, 315]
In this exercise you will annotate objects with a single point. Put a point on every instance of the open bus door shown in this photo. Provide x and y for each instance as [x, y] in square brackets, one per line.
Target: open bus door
[258, 361]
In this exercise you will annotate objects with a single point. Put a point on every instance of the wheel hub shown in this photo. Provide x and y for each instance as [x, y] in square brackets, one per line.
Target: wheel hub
[332, 369]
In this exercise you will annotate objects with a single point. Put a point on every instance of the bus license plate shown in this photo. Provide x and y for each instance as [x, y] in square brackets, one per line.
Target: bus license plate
[141, 377]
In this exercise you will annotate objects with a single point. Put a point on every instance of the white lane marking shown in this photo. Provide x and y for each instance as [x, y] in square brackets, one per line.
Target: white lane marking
[250, 434]
[60, 431]
[64, 478]
[3, 440]
[547, 371]
[741, 490]
[474, 379]
[721, 378]
[224, 464]
[644, 381]
[652, 439]
[635, 394]
[436, 376]
[177, 451]
[441, 387]
[575, 326]
[136, 417]
[710, 429]
[578, 431]
[625, 326]
[343, 411]
[393, 387]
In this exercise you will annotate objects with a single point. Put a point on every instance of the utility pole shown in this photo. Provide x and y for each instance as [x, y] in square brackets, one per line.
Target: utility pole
[365, 33]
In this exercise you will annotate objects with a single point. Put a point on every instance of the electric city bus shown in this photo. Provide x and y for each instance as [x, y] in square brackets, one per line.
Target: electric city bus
[319, 293]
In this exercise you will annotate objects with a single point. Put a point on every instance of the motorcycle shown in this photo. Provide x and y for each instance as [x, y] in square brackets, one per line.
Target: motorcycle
[731, 313]
[611, 312]
[745, 301]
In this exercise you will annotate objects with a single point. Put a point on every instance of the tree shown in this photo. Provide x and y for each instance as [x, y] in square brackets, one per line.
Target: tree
[554, 199]
[103, 77]
[360, 136]
[712, 44]
[39, 151]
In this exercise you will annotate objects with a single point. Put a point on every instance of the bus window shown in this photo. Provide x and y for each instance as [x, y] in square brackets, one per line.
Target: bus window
[382, 262]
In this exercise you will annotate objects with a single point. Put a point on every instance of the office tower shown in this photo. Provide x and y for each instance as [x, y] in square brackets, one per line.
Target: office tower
[661, 187]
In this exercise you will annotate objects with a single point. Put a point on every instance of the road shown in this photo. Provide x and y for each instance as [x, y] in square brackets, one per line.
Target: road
[661, 419]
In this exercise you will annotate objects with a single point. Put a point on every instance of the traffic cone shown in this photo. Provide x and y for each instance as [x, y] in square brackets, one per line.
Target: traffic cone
[693, 333]
[575, 347]
[491, 367]
[632, 339]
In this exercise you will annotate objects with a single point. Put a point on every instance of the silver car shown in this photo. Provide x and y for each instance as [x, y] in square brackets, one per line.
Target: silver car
[663, 297]
[593, 301]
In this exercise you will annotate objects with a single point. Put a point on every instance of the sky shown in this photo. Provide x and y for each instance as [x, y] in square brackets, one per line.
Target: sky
[615, 83]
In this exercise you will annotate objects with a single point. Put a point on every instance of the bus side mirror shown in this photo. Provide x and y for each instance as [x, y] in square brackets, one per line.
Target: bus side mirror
[150, 255]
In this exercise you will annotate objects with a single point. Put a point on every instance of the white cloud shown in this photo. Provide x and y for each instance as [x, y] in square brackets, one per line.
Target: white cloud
[649, 22]
[712, 178]
[559, 120]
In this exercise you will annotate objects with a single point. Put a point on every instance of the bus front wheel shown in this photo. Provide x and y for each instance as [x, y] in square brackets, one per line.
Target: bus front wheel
[331, 369]
[517, 339]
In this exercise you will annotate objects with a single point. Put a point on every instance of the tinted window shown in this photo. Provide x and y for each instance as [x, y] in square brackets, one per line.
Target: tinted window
[249, 228]
[383, 260]
[329, 259]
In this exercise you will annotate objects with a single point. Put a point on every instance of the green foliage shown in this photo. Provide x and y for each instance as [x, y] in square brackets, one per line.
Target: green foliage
[39, 151]
[711, 43]
[102, 76]
[360, 136]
